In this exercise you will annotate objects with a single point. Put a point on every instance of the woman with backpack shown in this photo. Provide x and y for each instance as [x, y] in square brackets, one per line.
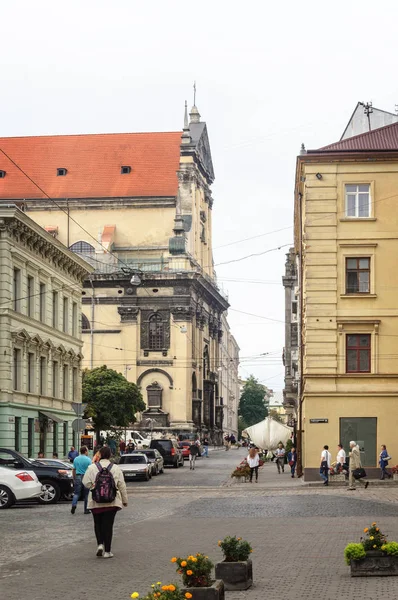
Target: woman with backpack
[108, 495]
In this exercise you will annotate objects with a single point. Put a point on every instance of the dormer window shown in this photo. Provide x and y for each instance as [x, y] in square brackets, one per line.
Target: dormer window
[125, 170]
[2, 174]
[61, 172]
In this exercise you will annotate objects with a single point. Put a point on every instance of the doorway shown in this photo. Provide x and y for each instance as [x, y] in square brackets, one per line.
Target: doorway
[362, 430]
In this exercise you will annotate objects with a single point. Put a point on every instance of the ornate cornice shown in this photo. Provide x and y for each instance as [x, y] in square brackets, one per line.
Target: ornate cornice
[128, 314]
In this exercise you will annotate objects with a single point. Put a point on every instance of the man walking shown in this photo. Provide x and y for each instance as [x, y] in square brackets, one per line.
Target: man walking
[80, 466]
[340, 459]
[205, 447]
[326, 457]
[122, 447]
[355, 463]
[72, 454]
[280, 458]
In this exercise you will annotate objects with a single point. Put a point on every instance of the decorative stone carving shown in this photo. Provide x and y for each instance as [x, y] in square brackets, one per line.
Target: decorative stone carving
[375, 564]
[128, 314]
[182, 313]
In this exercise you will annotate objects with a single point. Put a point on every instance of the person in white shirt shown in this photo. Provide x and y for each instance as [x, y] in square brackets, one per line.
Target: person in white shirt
[280, 457]
[341, 459]
[253, 460]
[326, 457]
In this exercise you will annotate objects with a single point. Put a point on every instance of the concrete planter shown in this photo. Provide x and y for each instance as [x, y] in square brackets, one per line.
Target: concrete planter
[340, 477]
[215, 592]
[235, 575]
[240, 479]
[375, 564]
[395, 476]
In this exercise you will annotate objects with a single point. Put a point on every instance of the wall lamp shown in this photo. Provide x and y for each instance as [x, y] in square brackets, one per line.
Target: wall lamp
[318, 176]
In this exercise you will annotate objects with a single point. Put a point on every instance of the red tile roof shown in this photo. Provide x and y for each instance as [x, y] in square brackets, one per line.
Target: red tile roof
[384, 138]
[93, 165]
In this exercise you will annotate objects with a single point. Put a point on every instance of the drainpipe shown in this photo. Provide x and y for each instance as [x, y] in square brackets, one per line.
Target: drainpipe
[92, 324]
[300, 394]
[68, 224]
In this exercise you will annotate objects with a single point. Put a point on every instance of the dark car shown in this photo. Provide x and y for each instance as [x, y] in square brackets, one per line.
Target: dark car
[171, 452]
[56, 482]
[154, 458]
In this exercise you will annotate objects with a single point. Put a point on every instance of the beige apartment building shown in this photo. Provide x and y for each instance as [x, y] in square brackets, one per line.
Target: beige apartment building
[229, 378]
[40, 343]
[346, 223]
[138, 207]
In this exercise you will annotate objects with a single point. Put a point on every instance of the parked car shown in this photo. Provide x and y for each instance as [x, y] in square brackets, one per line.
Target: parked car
[171, 452]
[16, 485]
[185, 449]
[56, 482]
[135, 466]
[61, 464]
[155, 459]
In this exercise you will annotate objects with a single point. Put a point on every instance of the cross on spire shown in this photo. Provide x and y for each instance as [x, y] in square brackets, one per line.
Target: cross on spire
[194, 93]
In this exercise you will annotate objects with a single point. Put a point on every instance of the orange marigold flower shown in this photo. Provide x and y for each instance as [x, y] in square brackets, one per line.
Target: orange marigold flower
[188, 595]
[194, 559]
[164, 588]
[377, 529]
[189, 572]
[174, 559]
[373, 524]
[172, 588]
[184, 563]
[366, 530]
[219, 542]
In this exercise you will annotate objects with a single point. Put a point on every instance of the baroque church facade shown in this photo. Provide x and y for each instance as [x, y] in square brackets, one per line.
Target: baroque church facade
[138, 207]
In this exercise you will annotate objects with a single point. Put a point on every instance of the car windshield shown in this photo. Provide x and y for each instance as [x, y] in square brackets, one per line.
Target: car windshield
[164, 443]
[132, 460]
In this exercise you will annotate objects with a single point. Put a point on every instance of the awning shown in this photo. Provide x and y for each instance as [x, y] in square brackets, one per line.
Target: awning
[52, 417]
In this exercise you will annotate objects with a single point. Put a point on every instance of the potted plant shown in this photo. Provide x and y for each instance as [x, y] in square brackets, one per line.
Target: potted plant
[241, 472]
[196, 576]
[373, 556]
[395, 472]
[236, 570]
[163, 592]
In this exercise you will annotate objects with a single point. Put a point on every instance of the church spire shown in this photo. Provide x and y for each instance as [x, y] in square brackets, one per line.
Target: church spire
[194, 114]
[186, 138]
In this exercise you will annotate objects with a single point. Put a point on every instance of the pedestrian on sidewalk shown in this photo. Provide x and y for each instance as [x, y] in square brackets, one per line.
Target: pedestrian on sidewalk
[355, 463]
[80, 466]
[122, 447]
[72, 454]
[383, 462]
[106, 482]
[253, 460]
[227, 442]
[205, 444]
[292, 460]
[340, 459]
[326, 457]
[193, 453]
[130, 447]
[280, 458]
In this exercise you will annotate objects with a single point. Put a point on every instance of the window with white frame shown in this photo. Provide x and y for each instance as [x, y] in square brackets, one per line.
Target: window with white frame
[357, 200]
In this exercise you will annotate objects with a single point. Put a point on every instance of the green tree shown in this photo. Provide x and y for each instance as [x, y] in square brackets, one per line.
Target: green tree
[252, 405]
[111, 400]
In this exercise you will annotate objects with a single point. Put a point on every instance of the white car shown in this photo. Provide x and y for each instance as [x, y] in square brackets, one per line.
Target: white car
[17, 485]
[135, 466]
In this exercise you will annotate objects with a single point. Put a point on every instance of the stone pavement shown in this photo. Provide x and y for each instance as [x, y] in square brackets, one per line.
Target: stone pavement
[298, 535]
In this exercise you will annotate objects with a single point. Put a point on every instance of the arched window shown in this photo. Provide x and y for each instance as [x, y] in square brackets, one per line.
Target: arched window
[156, 332]
[85, 323]
[82, 248]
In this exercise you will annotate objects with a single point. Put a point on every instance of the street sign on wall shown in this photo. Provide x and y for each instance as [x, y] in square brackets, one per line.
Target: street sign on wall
[319, 420]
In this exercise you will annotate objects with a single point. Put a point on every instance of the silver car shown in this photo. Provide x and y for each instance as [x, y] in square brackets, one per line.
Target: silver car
[155, 459]
[135, 466]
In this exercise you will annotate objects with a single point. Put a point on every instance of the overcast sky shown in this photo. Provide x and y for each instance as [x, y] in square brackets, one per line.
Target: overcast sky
[269, 75]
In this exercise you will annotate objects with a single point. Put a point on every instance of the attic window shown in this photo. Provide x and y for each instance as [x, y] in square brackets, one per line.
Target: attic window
[2, 174]
[61, 172]
[125, 170]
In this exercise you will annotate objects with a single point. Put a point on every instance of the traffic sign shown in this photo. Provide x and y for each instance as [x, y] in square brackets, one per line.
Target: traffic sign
[78, 425]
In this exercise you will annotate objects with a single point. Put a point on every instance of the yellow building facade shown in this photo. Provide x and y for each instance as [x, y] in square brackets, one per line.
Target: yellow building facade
[346, 223]
[138, 207]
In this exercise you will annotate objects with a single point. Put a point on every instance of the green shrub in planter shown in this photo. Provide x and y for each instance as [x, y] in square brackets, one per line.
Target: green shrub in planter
[354, 552]
[391, 548]
[235, 549]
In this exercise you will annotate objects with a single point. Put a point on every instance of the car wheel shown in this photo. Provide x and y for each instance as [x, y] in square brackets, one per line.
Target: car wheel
[51, 492]
[6, 497]
[147, 477]
[182, 463]
[156, 471]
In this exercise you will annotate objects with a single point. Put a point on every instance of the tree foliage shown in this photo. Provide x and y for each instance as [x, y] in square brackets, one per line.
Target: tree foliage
[252, 405]
[112, 401]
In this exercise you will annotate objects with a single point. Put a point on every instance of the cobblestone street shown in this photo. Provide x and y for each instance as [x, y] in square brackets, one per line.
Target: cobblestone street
[298, 534]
